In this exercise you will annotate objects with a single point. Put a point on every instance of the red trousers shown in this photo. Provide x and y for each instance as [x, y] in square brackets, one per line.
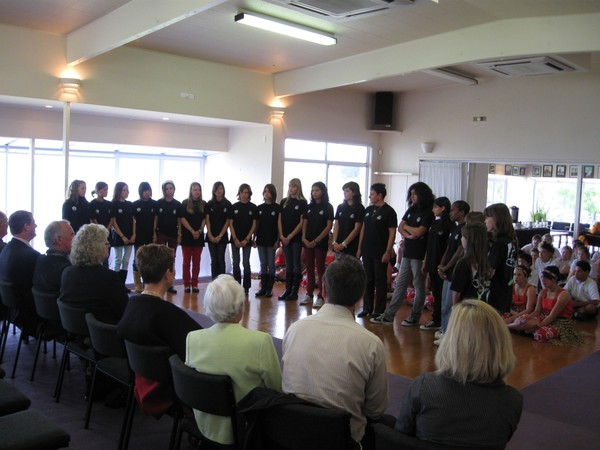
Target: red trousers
[191, 258]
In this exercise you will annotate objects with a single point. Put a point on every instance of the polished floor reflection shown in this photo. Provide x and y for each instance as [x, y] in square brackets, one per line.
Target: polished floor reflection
[409, 351]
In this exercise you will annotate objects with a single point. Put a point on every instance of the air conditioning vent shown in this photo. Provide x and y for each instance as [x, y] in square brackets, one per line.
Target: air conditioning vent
[341, 9]
[540, 65]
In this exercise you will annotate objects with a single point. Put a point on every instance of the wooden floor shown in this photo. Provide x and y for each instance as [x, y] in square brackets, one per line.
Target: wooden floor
[409, 350]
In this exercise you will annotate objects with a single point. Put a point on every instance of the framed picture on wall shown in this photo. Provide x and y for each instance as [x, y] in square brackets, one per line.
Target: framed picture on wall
[536, 171]
[573, 171]
[561, 170]
[588, 171]
[548, 170]
[492, 169]
[515, 170]
[507, 170]
[522, 171]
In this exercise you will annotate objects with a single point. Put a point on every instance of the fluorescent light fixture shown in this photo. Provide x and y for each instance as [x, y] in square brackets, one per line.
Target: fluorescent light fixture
[287, 28]
[452, 76]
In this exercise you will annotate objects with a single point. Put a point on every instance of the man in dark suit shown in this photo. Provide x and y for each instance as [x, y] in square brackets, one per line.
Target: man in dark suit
[17, 262]
[48, 270]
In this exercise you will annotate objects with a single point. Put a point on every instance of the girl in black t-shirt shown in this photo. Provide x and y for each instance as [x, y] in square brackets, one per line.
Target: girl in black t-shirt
[192, 236]
[167, 221]
[267, 239]
[75, 209]
[242, 223]
[143, 213]
[317, 222]
[349, 218]
[217, 222]
[123, 232]
[100, 210]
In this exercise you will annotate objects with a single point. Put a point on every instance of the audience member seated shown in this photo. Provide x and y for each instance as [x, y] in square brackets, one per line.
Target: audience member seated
[227, 348]
[583, 254]
[523, 295]
[549, 239]
[17, 262]
[150, 320]
[565, 261]
[536, 240]
[3, 229]
[526, 260]
[331, 360]
[584, 292]
[546, 258]
[49, 267]
[551, 318]
[435, 406]
[87, 283]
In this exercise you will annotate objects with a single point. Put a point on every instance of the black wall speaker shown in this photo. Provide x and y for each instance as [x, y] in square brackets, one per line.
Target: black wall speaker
[384, 111]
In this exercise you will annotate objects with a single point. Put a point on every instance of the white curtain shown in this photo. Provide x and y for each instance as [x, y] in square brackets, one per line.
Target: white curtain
[445, 178]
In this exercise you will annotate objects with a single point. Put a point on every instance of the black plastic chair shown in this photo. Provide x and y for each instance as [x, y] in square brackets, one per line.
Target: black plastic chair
[111, 361]
[51, 328]
[73, 321]
[10, 299]
[211, 394]
[31, 430]
[386, 438]
[152, 363]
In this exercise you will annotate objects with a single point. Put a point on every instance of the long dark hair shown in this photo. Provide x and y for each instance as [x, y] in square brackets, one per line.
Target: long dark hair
[356, 195]
[424, 193]
[476, 253]
[501, 215]
[216, 186]
[324, 193]
[117, 191]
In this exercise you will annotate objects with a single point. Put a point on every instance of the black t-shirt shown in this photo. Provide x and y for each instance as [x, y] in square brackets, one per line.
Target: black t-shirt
[168, 213]
[143, 211]
[468, 283]
[378, 220]
[266, 228]
[291, 215]
[436, 243]
[453, 243]
[317, 215]
[417, 217]
[242, 217]
[218, 215]
[100, 211]
[347, 216]
[195, 220]
[78, 214]
[502, 257]
[123, 214]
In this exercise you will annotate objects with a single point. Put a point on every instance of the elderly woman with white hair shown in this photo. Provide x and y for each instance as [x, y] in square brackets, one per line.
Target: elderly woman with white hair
[87, 283]
[465, 403]
[227, 348]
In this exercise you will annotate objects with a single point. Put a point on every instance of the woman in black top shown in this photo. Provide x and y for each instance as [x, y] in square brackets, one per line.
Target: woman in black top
[143, 212]
[348, 221]
[290, 229]
[242, 223]
[192, 236]
[317, 222]
[267, 239]
[123, 232]
[100, 209]
[217, 221]
[76, 208]
[167, 221]
[437, 240]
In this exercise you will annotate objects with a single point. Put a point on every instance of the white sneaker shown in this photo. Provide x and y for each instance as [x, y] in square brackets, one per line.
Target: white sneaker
[318, 302]
[307, 300]
[438, 334]
[437, 342]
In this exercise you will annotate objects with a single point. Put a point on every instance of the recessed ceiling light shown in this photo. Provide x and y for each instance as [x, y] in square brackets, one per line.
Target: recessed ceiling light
[165, 118]
[48, 106]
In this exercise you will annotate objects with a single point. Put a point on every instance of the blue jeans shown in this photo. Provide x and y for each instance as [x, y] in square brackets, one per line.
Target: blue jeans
[266, 254]
[217, 259]
[410, 270]
[235, 259]
[446, 304]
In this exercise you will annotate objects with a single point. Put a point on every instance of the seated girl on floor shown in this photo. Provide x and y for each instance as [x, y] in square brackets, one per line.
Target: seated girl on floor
[523, 295]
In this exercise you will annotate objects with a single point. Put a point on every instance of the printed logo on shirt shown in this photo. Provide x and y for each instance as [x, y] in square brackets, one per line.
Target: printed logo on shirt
[120, 211]
[378, 217]
[224, 210]
[321, 212]
[260, 213]
[352, 216]
[174, 212]
[297, 207]
[159, 210]
[73, 208]
[418, 219]
[367, 214]
[308, 211]
[97, 211]
[235, 211]
[272, 213]
[249, 213]
[138, 209]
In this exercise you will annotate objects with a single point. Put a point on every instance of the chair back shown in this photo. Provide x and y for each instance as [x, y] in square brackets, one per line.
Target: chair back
[45, 305]
[386, 438]
[104, 338]
[73, 319]
[8, 294]
[150, 361]
[212, 394]
[301, 426]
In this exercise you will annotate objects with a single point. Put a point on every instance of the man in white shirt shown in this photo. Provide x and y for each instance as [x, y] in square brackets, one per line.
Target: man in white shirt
[331, 360]
[584, 292]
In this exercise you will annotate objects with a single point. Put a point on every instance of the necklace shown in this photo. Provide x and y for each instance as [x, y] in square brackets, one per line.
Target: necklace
[152, 293]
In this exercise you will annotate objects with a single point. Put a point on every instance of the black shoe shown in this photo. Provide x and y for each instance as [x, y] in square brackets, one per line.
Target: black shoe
[187, 290]
[268, 293]
[260, 293]
[364, 314]
[285, 295]
[172, 290]
[292, 297]
[195, 290]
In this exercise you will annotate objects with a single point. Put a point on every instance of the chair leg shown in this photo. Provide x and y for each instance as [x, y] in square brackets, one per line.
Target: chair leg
[129, 425]
[37, 352]
[90, 399]
[174, 428]
[124, 437]
[61, 373]
[21, 336]
[4, 336]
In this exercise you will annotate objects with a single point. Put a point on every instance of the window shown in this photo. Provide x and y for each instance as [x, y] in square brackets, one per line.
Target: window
[332, 163]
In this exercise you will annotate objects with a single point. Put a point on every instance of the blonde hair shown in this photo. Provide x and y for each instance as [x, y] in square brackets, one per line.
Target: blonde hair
[476, 346]
[300, 196]
[89, 245]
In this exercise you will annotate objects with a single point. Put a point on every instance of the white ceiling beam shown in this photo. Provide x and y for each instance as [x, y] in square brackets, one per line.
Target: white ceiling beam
[134, 20]
[501, 39]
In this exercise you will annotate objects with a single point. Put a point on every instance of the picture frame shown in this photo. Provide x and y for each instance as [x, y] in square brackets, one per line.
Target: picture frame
[548, 169]
[588, 171]
[491, 169]
[507, 170]
[536, 171]
[561, 170]
[573, 171]
[515, 170]
[522, 171]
